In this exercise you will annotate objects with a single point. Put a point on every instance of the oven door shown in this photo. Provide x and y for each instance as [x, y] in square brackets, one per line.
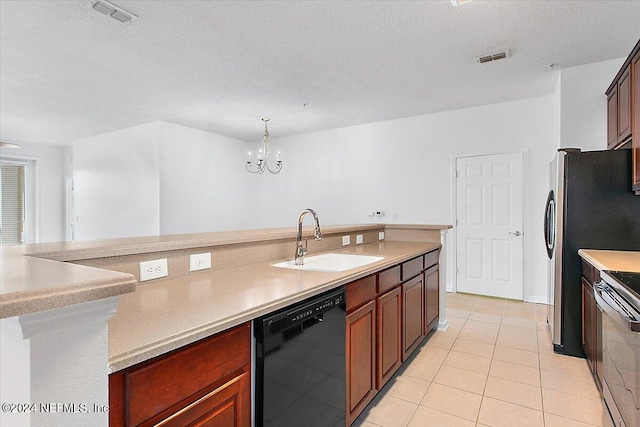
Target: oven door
[621, 356]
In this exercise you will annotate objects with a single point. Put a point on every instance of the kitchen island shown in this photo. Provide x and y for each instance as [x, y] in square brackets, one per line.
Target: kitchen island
[166, 314]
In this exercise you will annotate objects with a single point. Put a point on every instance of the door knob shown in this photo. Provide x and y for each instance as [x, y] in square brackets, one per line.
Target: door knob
[515, 233]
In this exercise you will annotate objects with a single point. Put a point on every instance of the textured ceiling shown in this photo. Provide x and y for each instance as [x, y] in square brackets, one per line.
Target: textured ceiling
[68, 72]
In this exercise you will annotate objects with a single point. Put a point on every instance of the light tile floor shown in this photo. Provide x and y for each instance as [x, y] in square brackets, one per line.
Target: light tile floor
[493, 366]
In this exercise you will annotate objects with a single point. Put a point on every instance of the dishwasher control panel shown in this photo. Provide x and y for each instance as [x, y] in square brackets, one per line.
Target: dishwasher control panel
[299, 313]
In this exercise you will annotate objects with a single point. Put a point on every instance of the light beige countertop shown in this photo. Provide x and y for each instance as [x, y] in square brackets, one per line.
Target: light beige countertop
[163, 316]
[612, 260]
[74, 251]
[38, 277]
[30, 284]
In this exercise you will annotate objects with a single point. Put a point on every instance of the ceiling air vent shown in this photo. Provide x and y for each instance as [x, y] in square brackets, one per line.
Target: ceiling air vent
[113, 11]
[493, 57]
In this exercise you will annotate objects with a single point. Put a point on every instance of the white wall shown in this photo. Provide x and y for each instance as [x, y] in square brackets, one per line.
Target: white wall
[203, 182]
[50, 181]
[404, 167]
[583, 113]
[399, 166]
[116, 184]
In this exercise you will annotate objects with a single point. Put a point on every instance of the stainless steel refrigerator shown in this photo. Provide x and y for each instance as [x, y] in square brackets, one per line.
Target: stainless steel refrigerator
[590, 206]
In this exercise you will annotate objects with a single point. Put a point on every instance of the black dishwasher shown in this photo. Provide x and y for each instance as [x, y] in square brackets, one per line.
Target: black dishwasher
[300, 364]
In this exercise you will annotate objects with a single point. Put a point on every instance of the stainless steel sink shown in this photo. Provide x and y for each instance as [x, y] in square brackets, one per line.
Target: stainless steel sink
[331, 262]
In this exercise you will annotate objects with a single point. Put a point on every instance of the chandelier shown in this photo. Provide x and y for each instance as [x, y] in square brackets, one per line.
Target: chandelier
[263, 156]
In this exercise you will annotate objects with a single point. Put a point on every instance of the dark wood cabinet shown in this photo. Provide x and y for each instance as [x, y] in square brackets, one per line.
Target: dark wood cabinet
[623, 112]
[207, 383]
[361, 359]
[635, 120]
[225, 406]
[412, 314]
[385, 323]
[591, 321]
[612, 118]
[619, 110]
[389, 317]
[432, 297]
[624, 106]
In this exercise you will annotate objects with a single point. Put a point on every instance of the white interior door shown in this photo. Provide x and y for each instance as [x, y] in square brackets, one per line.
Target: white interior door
[489, 239]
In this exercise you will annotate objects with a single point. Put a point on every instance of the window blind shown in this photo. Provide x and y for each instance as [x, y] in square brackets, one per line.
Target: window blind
[12, 212]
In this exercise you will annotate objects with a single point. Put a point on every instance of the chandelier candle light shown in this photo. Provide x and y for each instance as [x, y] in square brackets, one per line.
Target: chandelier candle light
[263, 156]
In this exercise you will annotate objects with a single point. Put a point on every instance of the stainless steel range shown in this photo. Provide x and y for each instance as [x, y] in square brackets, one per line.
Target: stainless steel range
[618, 296]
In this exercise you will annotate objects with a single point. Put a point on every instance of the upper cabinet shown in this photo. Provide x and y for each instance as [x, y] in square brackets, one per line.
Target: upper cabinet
[623, 111]
[635, 117]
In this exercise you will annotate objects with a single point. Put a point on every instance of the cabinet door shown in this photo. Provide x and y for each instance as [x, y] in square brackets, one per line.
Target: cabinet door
[624, 106]
[432, 296]
[635, 99]
[155, 390]
[412, 315]
[589, 324]
[389, 330]
[361, 359]
[227, 406]
[612, 119]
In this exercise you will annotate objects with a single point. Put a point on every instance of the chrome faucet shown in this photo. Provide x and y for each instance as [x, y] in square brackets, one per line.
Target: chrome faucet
[300, 251]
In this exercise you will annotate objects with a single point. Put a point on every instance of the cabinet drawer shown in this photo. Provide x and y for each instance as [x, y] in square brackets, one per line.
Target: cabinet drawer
[179, 376]
[590, 272]
[360, 292]
[388, 279]
[412, 267]
[431, 258]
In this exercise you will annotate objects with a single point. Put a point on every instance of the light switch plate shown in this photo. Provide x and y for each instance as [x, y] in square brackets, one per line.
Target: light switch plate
[200, 261]
[346, 240]
[359, 239]
[381, 235]
[153, 269]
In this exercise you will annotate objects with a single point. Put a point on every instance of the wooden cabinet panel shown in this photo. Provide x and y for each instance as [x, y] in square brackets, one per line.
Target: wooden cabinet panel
[431, 258]
[412, 268]
[635, 102]
[154, 390]
[624, 106]
[389, 330]
[360, 292]
[227, 406]
[412, 315]
[361, 354]
[432, 296]
[589, 324]
[612, 118]
[388, 279]
[590, 272]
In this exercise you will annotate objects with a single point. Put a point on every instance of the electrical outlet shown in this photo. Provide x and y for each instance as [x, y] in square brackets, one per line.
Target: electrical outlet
[200, 261]
[153, 269]
[379, 213]
[346, 240]
[359, 239]
[381, 235]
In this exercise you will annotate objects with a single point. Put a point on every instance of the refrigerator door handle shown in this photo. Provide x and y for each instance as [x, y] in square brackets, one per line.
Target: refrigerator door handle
[550, 224]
